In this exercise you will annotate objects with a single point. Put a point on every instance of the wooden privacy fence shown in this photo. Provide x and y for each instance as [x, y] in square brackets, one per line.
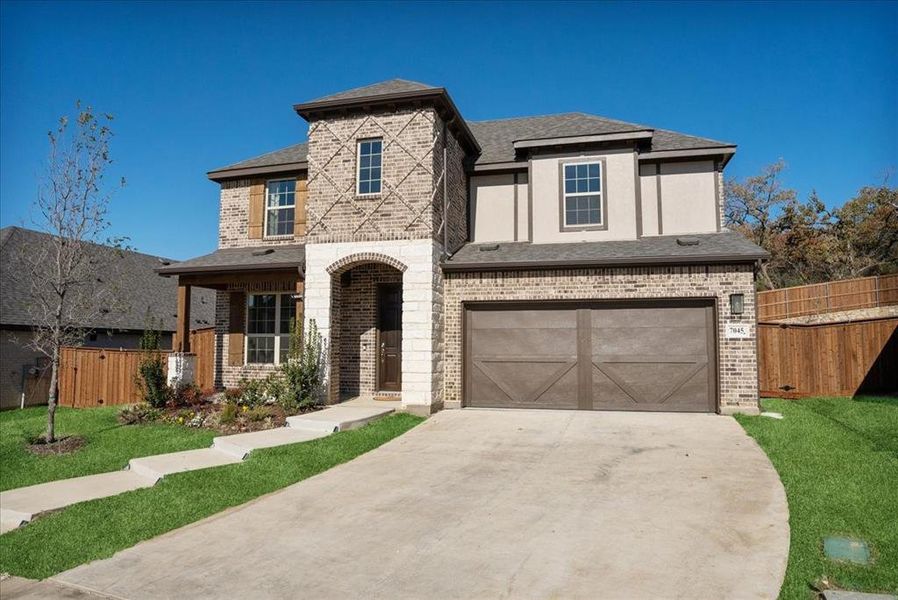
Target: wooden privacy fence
[833, 296]
[104, 376]
[834, 359]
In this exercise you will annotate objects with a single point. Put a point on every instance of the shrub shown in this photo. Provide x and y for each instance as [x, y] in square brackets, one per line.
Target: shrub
[232, 395]
[299, 381]
[184, 395]
[151, 370]
[137, 414]
[258, 413]
[228, 413]
[252, 392]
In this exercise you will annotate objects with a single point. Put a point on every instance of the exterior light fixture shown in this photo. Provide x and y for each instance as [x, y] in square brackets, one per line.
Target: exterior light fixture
[737, 303]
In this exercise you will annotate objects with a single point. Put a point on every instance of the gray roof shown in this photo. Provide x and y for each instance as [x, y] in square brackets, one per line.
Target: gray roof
[723, 247]
[137, 286]
[382, 88]
[497, 138]
[240, 259]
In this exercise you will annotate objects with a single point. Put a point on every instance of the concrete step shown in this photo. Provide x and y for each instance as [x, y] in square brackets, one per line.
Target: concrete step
[157, 467]
[241, 444]
[23, 504]
[338, 418]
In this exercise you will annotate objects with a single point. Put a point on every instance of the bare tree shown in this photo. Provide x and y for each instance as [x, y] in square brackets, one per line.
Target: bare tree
[70, 275]
[752, 207]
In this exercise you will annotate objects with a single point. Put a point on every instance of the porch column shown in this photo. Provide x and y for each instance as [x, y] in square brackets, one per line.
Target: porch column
[182, 329]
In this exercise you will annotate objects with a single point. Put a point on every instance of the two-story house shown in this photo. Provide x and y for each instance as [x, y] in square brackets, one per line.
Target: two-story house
[565, 261]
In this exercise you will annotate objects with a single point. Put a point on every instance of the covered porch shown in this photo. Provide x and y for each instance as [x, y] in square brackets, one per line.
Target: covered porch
[259, 294]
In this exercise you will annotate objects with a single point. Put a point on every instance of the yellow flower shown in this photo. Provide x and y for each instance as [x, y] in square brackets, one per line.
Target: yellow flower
[245, 408]
[180, 419]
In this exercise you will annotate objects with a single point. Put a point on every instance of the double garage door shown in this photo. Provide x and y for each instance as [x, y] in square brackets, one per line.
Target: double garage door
[650, 356]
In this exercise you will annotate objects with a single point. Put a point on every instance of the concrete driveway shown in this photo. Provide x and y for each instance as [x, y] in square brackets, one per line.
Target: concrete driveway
[494, 504]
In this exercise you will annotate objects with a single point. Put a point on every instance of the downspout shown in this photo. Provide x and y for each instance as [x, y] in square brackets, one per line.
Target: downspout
[445, 193]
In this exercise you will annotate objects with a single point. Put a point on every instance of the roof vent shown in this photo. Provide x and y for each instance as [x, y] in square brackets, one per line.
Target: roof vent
[164, 262]
[687, 241]
[489, 248]
[263, 251]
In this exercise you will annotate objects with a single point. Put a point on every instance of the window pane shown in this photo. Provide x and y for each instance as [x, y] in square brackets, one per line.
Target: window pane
[260, 349]
[581, 185]
[569, 171]
[284, 349]
[570, 186]
[260, 313]
[272, 222]
[594, 170]
[375, 160]
[581, 172]
[593, 201]
[593, 185]
[376, 146]
[375, 173]
[570, 204]
[594, 216]
[364, 187]
[375, 187]
[365, 161]
[571, 217]
[288, 313]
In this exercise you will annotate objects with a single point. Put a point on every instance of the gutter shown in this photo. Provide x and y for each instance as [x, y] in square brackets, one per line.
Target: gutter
[648, 261]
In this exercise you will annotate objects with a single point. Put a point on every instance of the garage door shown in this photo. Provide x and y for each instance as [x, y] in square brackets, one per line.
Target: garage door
[611, 356]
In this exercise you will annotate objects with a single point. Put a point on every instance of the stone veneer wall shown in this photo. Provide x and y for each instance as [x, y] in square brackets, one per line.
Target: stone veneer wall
[233, 218]
[737, 359]
[422, 350]
[358, 327]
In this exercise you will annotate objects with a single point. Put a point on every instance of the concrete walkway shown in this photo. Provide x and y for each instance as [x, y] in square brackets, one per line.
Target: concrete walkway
[21, 505]
[493, 504]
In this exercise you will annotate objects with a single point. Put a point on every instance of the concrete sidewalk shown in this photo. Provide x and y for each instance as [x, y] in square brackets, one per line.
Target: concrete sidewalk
[21, 505]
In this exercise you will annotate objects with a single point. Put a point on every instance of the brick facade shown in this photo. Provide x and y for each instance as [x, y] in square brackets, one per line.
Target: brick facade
[358, 327]
[233, 218]
[737, 359]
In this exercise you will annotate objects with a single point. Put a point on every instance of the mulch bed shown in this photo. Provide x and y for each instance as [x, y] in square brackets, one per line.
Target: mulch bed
[63, 445]
[268, 416]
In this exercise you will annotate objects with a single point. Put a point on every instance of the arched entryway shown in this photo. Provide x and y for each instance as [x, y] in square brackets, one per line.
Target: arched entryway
[365, 327]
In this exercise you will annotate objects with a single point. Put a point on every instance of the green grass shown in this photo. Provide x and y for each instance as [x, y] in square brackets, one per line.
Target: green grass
[99, 528]
[838, 460]
[109, 445]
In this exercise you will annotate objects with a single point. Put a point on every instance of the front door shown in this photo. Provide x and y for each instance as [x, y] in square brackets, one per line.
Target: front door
[389, 337]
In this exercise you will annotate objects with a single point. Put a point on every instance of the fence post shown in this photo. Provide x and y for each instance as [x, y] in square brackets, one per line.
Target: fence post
[876, 283]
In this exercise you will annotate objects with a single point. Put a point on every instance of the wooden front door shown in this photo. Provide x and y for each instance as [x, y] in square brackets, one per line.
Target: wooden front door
[389, 337]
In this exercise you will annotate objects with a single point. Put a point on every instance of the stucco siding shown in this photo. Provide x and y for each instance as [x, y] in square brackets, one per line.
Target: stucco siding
[688, 197]
[493, 208]
[618, 188]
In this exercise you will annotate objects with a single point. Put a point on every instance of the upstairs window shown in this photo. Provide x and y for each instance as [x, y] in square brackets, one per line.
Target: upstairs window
[280, 207]
[268, 320]
[368, 175]
[583, 194]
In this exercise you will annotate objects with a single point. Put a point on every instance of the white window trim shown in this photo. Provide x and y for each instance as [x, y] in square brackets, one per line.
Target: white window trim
[600, 194]
[278, 295]
[266, 209]
[358, 167]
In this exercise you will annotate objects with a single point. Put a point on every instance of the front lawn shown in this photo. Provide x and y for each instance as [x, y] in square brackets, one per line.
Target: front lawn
[109, 446]
[838, 460]
[99, 528]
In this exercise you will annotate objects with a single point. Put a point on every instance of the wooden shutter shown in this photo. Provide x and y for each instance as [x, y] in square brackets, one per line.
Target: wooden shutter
[256, 209]
[236, 327]
[299, 215]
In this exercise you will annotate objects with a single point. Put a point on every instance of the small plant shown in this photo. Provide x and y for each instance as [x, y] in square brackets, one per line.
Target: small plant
[253, 392]
[299, 381]
[258, 413]
[151, 370]
[138, 413]
[185, 394]
[228, 413]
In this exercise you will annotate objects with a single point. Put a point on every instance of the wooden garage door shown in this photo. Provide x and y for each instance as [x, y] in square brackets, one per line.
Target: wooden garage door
[591, 356]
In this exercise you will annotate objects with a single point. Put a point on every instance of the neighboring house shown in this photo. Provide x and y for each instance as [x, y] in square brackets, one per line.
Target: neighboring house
[138, 287]
[563, 261]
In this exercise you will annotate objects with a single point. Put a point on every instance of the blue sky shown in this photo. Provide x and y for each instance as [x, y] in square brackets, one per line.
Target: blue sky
[199, 86]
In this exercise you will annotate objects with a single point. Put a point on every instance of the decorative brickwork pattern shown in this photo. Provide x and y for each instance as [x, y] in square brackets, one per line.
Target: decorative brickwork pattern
[352, 260]
[737, 358]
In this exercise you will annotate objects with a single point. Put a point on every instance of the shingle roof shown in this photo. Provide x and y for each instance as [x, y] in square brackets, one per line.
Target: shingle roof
[382, 88]
[138, 286]
[724, 247]
[497, 138]
[239, 259]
